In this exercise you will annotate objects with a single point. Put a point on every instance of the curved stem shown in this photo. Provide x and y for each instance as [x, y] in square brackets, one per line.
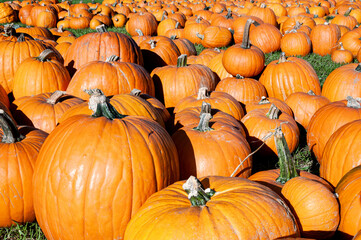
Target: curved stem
[245, 42]
[55, 97]
[140, 33]
[264, 100]
[136, 92]
[46, 55]
[203, 125]
[182, 60]
[197, 195]
[101, 28]
[285, 160]
[112, 58]
[203, 93]
[101, 106]
[200, 36]
[10, 130]
[273, 112]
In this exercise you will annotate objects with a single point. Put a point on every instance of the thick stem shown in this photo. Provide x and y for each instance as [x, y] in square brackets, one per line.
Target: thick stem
[136, 92]
[285, 160]
[298, 25]
[347, 13]
[10, 130]
[140, 33]
[101, 28]
[238, 76]
[203, 125]
[282, 58]
[200, 36]
[101, 106]
[203, 93]
[245, 42]
[153, 44]
[46, 55]
[197, 195]
[206, 108]
[182, 60]
[112, 58]
[9, 30]
[353, 102]
[53, 99]
[164, 16]
[273, 112]
[229, 14]
[173, 37]
[264, 100]
[177, 25]
[311, 93]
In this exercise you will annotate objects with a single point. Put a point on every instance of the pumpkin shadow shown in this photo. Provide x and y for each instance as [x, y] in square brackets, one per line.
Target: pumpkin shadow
[19, 116]
[70, 68]
[152, 60]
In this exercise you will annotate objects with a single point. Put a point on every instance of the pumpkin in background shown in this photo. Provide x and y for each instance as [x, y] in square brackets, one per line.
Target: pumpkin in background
[119, 20]
[266, 102]
[342, 55]
[324, 38]
[39, 75]
[213, 207]
[212, 148]
[95, 46]
[244, 59]
[131, 155]
[46, 19]
[184, 46]
[267, 37]
[218, 100]
[214, 36]
[342, 82]
[144, 21]
[263, 12]
[304, 105]
[112, 76]
[348, 190]
[289, 75]
[327, 120]
[175, 82]
[315, 207]
[351, 41]
[7, 14]
[216, 65]
[342, 152]
[44, 110]
[296, 43]
[18, 150]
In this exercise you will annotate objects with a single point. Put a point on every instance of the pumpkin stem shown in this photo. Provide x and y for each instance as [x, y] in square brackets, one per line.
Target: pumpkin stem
[173, 37]
[206, 108]
[311, 93]
[140, 33]
[9, 30]
[164, 16]
[101, 28]
[153, 44]
[273, 112]
[238, 76]
[136, 92]
[182, 60]
[10, 130]
[297, 25]
[245, 42]
[203, 93]
[101, 106]
[353, 102]
[264, 100]
[46, 55]
[112, 58]
[282, 58]
[203, 125]
[21, 38]
[285, 160]
[200, 36]
[55, 97]
[358, 68]
[347, 13]
[229, 14]
[197, 195]
[177, 25]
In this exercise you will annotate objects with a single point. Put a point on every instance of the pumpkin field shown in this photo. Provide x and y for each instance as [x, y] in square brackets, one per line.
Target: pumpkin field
[192, 119]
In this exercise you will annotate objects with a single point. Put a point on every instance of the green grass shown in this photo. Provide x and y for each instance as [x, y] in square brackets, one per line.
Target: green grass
[28, 231]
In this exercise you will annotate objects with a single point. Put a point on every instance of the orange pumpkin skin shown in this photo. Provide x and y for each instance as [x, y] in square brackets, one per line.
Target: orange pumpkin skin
[348, 190]
[40, 75]
[324, 38]
[140, 160]
[267, 37]
[266, 102]
[233, 196]
[341, 152]
[113, 77]
[41, 111]
[357, 236]
[343, 82]
[296, 43]
[93, 47]
[300, 77]
[16, 173]
[315, 207]
[304, 105]
[326, 121]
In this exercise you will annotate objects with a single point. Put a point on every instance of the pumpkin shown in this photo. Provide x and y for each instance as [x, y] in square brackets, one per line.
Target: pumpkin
[212, 149]
[7, 14]
[191, 29]
[119, 20]
[342, 55]
[175, 82]
[95, 46]
[327, 120]
[267, 37]
[185, 46]
[44, 110]
[263, 12]
[300, 77]
[343, 82]
[146, 22]
[304, 105]
[348, 190]
[216, 65]
[46, 19]
[239, 27]
[341, 152]
[230, 196]
[140, 159]
[39, 75]
[324, 38]
[351, 41]
[266, 102]
[112, 76]
[214, 36]
[244, 59]
[19, 149]
[295, 43]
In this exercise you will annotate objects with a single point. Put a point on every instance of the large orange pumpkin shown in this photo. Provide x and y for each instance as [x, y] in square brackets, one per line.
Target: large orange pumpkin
[104, 167]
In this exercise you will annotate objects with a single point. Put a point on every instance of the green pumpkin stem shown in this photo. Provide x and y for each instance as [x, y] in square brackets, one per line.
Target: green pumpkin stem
[46, 55]
[197, 195]
[200, 36]
[238, 76]
[229, 14]
[285, 160]
[203, 93]
[245, 42]
[112, 58]
[203, 125]
[101, 106]
[311, 93]
[182, 60]
[358, 68]
[206, 108]
[10, 130]
[264, 100]
[347, 13]
[54, 98]
[273, 112]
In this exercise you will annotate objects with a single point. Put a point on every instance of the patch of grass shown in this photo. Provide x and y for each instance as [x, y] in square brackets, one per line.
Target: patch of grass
[81, 32]
[28, 231]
